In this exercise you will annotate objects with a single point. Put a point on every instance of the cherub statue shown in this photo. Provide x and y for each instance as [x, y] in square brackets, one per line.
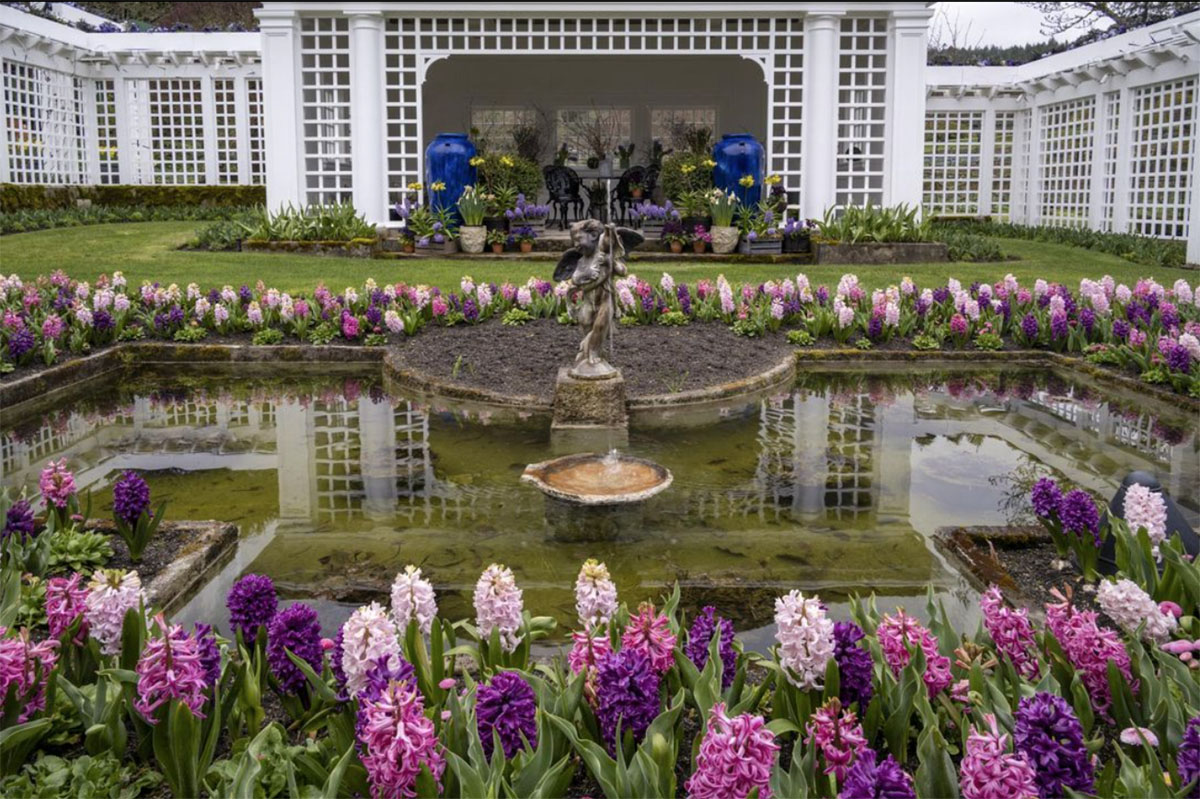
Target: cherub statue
[592, 264]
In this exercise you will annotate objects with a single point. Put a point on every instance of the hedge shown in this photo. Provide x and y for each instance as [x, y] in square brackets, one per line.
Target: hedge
[14, 197]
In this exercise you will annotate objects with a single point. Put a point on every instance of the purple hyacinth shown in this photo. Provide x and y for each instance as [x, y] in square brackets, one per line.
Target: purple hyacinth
[1087, 318]
[822, 295]
[506, 706]
[1120, 329]
[21, 342]
[1058, 325]
[868, 779]
[1188, 755]
[252, 603]
[1078, 514]
[1046, 497]
[685, 299]
[175, 315]
[626, 695]
[470, 309]
[383, 670]
[131, 498]
[335, 661]
[298, 630]
[854, 665]
[1029, 327]
[940, 295]
[245, 294]
[19, 520]
[875, 327]
[210, 653]
[1050, 737]
[700, 638]
[1179, 359]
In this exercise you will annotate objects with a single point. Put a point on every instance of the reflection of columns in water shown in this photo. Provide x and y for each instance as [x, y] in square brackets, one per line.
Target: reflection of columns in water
[293, 447]
[893, 456]
[377, 456]
[810, 441]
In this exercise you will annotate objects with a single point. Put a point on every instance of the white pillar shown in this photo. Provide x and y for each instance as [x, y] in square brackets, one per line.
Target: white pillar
[809, 445]
[283, 126]
[294, 452]
[241, 105]
[905, 150]
[1096, 179]
[1193, 239]
[369, 165]
[208, 107]
[987, 164]
[819, 148]
[1124, 155]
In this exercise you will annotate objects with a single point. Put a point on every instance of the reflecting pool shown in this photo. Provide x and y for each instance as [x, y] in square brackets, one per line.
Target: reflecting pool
[834, 486]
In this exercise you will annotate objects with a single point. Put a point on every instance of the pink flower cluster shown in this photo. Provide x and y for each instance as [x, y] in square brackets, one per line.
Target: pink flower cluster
[736, 757]
[367, 636]
[413, 598]
[498, 606]
[838, 735]
[57, 484]
[26, 666]
[397, 739]
[66, 601]
[805, 636]
[650, 633]
[595, 594]
[1146, 508]
[587, 652]
[171, 668]
[1090, 648]
[897, 633]
[111, 594]
[1130, 607]
[1011, 631]
[990, 771]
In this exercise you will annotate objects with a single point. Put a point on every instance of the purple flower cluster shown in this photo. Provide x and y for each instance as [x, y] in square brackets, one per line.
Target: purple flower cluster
[700, 638]
[1078, 514]
[870, 779]
[626, 695]
[1188, 755]
[131, 498]
[252, 603]
[854, 665]
[1046, 498]
[506, 707]
[19, 520]
[296, 629]
[210, 653]
[1050, 737]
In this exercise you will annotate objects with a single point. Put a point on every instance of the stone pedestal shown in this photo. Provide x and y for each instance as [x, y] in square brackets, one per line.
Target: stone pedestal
[582, 403]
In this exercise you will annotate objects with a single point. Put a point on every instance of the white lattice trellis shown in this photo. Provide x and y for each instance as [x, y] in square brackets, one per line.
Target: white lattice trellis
[225, 116]
[44, 125]
[254, 110]
[1003, 148]
[1112, 121]
[862, 110]
[325, 87]
[1065, 162]
[107, 157]
[1160, 165]
[953, 150]
[177, 131]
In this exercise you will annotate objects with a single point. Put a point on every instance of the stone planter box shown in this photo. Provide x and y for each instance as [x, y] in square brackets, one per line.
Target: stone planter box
[538, 226]
[356, 248]
[797, 244]
[652, 230]
[448, 247]
[882, 253]
[760, 246]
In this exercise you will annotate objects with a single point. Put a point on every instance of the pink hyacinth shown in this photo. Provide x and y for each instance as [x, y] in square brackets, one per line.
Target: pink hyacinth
[587, 652]
[735, 757]
[397, 738]
[990, 771]
[1090, 648]
[57, 484]
[498, 606]
[367, 636]
[595, 595]
[1011, 631]
[838, 735]
[26, 666]
[1147, 509]
[413, 598]
[66, 601]
[1131, 607]
[650, 633]
[897, 633]
[170, 668]
[806, 642]
[111, 594]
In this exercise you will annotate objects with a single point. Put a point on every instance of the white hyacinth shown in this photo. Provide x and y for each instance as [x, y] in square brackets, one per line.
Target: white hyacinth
[1148, 509]
[805, 636]
[498, 606]
[367, 635]
[595, 595]
[412, 598]
[1129, 606]
[111, 594]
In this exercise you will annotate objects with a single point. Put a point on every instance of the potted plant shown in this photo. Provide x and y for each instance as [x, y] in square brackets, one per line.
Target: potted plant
[526, 214]
[651, 217]
[701, 238]
[760, 236]
[523, 237]
[675, 235]
[797, 235]
[778, 198]
[636, 190]
[496, 239]
[405, 239]
[723, 208]
[500, 198]
[472, 205]
[693, 206]
[434, 231]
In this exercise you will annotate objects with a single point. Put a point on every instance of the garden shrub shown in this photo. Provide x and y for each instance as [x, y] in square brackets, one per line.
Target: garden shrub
[857, 224]
[1133, 247]
[45, 219]
[336, 222]
[684, 172]
[18, 197]
[499, 170]
[965, 246]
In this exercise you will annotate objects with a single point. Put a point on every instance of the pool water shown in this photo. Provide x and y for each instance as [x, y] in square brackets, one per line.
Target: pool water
[835, 486]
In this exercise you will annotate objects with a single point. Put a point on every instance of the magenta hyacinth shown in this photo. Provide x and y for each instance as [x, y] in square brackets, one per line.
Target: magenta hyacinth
[839, 736]
[587, 652]
[57, 484]
[396, 739]
[170, 668]
[252, 603]
[1090, 648]
[506, 706]
[131, 498]
[25, 667]
[735, 757]
[700, 638]
[650, 633]
[990, 771]
[897, 633]
[1047, 732]
[296, 629]
[870, 778]
[66, 601]
[1011, 632]
[626, 695]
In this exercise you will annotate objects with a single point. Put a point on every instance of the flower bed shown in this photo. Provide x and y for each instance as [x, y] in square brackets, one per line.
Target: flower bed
[1148, 330]
[402, 701]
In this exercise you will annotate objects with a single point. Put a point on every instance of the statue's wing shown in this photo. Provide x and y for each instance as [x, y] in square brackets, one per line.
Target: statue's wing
[629, 238]
[566, 265]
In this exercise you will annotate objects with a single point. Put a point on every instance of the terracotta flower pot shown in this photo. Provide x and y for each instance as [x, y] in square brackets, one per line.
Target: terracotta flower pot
[409, 247]
[636, 194]
[676, 247]
[699, 246]
[527, 246]
[497, 248]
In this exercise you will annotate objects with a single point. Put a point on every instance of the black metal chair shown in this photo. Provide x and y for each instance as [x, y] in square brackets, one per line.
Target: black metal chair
[622, 197]
[563, 184]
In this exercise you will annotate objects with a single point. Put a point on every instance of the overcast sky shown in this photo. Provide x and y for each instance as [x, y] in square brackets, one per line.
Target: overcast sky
[992, 23]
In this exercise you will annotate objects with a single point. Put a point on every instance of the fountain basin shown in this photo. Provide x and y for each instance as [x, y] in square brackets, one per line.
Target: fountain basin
[589, 478]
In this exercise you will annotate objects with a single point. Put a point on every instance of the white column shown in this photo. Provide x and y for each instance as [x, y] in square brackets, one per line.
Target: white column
[819, 148]
[811, 440]
[369, 165]
[377, 456]
[987, 163]
[1033, 189]
[294, 451]
[283, 126]
[905, 151]
[1124, 154]
[1096, 180]
[208, 107]
[1193, 240]
[90, 134]
[5, 177]
[241, 105]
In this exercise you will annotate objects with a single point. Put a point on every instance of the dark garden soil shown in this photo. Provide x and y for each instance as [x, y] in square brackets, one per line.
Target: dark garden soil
[653, 359]
[164, 547]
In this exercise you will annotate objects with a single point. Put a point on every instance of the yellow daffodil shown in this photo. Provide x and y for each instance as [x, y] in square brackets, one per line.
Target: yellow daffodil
[747, 181]
[687, 169]
[478, 160]
[506, 161]
[773, 180]
[437, 186]
[416, 185]
[708, 162]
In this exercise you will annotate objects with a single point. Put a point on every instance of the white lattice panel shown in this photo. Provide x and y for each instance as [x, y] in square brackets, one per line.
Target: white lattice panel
[953, 149]
[106, 132]
[1065, 162]
[44, 125]
[254, 109]
[1108, 192]
[225, 117]
[850, 484]
[177, 131]
[325, 86]
[1003, 148]
[786, 105]
[862, 110]
[1160, 167]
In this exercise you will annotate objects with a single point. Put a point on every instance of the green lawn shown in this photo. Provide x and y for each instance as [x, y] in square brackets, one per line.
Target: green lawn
[147, 250]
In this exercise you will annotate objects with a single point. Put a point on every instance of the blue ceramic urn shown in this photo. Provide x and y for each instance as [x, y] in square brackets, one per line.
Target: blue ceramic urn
[448, 161]
[738, 155]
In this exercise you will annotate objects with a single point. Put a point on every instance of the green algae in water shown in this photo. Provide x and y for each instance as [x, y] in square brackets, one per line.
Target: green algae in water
[836, 486]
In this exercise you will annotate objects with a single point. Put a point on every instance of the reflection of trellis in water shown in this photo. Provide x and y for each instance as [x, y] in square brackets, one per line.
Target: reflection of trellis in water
[851, 485]
[776, 470]
[1110, 427]
[336, 449]
[43, 444]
